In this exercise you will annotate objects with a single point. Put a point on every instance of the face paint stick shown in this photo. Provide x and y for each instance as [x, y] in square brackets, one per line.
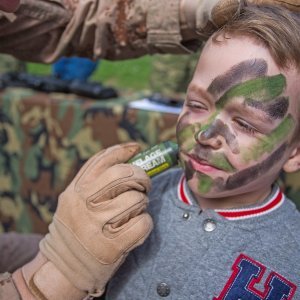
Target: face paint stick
[157, 159]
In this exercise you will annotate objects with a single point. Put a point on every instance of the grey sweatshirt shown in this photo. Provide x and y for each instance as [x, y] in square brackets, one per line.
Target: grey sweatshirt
[249, 253]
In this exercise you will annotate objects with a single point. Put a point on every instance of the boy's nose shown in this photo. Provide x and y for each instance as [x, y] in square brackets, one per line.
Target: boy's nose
[206, 138]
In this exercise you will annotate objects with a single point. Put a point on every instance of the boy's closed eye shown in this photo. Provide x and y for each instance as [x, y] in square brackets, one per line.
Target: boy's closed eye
[196, 104]
[245, 127]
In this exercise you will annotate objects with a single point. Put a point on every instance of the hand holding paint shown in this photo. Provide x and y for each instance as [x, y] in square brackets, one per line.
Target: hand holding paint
[157, 159]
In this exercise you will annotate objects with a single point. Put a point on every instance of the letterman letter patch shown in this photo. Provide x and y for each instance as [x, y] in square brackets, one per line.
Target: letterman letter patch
[246, 274]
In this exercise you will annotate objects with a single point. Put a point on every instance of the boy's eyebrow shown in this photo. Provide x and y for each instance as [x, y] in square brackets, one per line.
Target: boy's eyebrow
[245, 70]
[275, 109]
[197, 91]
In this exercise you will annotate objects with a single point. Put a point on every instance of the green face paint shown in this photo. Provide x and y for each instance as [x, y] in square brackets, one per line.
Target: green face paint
[268, 143]
[263, 89]
[185, 133]
[205, 184]
[219, 160]
[186, 136]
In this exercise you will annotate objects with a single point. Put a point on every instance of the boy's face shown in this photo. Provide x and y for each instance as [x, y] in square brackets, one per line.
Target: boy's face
[238, 120]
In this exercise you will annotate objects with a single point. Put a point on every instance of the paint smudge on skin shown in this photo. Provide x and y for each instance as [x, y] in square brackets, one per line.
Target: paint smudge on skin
[251, 174]
[184, 133]
[189, 171]
[205, 184]
[220, 129]
[276, 109]
[218, 160]
[269, 142]
[262, 88]
[243, 71]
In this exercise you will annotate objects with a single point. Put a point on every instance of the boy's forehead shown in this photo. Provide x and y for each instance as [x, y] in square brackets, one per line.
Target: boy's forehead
[218, 57]
[233, 60]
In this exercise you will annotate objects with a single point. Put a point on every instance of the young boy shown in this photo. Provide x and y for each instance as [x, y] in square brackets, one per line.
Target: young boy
[222, 227]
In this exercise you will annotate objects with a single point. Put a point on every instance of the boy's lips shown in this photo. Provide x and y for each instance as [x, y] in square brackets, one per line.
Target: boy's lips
[202, 165]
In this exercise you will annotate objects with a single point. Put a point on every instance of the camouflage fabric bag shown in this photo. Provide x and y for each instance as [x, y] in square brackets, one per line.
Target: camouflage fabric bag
[45, 138]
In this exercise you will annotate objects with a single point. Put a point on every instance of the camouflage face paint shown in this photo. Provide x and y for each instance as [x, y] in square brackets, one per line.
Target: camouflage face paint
[269, 142]
[218, 160]
[276, 109]
[262, 88]
[218, 128]
[185, 133]
[243, 71]
[189, 171]
[252, 173]
[244, 85]
[205, 184]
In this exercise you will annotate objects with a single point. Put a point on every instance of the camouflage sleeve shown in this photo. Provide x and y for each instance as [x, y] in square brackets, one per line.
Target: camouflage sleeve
[43, 30]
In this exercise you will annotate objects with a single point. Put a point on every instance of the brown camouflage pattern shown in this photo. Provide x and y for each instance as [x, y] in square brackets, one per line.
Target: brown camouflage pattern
[45, 138]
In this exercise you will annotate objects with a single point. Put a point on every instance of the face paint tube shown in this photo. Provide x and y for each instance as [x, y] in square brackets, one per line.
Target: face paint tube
[157, 159]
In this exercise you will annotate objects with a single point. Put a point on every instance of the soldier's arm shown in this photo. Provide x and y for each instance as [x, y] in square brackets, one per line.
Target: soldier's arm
[43, 30]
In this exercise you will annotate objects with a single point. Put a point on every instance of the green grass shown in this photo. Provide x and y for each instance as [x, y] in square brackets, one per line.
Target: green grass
[127, 75]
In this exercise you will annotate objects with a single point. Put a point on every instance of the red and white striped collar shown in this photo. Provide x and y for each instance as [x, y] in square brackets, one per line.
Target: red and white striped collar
[273, 203]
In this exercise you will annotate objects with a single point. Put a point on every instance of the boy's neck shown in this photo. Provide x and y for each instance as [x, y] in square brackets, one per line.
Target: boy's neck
[238, 201]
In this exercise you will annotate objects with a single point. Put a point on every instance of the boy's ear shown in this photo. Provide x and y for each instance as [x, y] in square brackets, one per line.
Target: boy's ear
[293, 163]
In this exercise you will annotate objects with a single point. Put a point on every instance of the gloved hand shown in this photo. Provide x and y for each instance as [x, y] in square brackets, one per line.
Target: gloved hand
[100, 217]
[205, 16]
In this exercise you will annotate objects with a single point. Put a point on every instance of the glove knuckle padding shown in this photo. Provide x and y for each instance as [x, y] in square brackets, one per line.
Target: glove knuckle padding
[115, 181]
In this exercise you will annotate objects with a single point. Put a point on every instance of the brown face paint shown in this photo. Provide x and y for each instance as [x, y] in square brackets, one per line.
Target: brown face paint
[241, 72]
[250, 174]
[189, 171]
[219, 128]
[275, 109]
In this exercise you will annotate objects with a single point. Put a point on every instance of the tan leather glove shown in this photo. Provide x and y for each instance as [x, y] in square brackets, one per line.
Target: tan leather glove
[100, 217]
[205, 16]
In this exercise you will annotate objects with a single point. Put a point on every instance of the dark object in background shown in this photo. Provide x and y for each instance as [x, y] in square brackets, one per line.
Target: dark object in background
[51, 84]
[160, 99]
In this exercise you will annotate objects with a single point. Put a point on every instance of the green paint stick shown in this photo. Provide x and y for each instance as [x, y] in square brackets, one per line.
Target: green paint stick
[157, 159]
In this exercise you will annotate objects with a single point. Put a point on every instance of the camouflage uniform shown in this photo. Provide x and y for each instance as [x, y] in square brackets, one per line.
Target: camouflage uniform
[95, 28]
[45, 138]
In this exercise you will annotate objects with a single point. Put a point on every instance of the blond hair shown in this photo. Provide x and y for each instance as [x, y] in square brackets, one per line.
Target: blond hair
[277, 28]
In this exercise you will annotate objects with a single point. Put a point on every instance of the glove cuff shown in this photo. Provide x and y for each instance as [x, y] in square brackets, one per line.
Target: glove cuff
[46, 282]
